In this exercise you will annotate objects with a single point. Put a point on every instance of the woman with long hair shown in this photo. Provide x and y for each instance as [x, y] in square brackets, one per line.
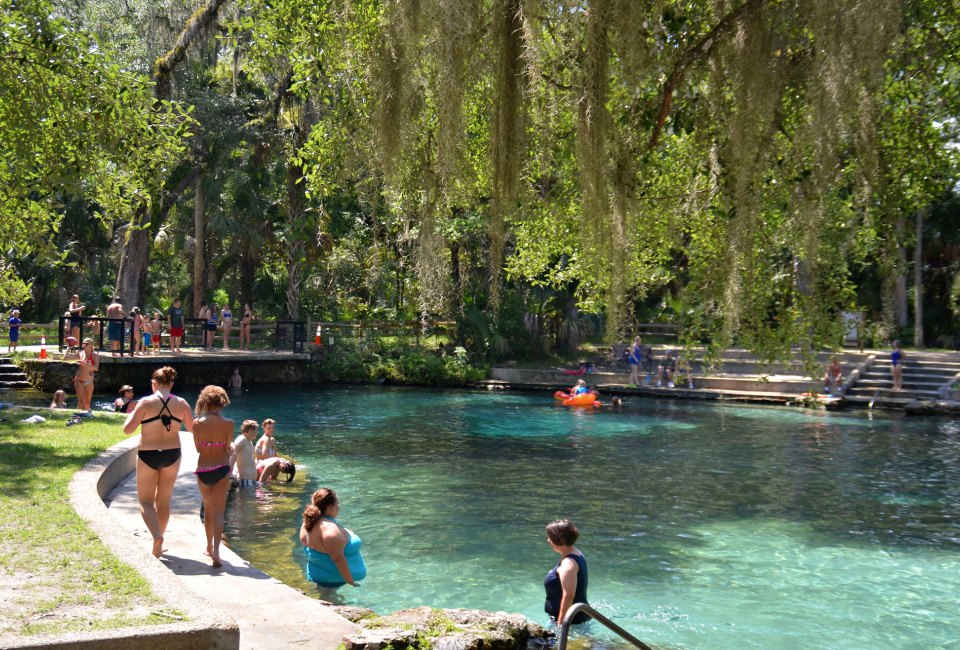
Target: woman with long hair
[212, 434]
[333, 552]
[159, 418]
[245, 321]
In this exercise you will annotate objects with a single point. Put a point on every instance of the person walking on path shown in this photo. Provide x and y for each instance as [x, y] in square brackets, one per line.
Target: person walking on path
[159, 418]
[87, 365]
[175, 315]
[212, 434]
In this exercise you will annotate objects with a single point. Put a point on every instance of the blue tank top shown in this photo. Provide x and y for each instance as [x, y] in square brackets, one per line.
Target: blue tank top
[322, 570]
[555, 590]
[895, 357]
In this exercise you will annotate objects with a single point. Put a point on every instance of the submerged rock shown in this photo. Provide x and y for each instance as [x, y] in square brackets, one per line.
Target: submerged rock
[444, 629]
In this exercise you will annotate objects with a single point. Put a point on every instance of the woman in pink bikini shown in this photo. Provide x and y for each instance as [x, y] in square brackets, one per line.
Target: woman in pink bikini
[212, 434]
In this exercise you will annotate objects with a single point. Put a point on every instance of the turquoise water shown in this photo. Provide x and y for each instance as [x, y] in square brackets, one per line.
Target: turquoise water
[705, 526]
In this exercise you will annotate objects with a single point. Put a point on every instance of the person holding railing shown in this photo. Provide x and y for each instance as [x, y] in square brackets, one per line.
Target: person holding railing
[566, 583]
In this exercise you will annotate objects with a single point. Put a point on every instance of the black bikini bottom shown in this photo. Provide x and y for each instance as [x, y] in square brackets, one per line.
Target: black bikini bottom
[159, 458]
[213, 476]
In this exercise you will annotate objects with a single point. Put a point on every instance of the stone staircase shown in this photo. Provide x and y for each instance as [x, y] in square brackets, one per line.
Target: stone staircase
[924, 374]
[12, 376]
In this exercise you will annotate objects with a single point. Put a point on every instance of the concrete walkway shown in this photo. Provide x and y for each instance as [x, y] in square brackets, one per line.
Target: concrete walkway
[269, 613]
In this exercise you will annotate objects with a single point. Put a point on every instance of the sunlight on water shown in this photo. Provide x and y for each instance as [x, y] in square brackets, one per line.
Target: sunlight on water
[705, 526]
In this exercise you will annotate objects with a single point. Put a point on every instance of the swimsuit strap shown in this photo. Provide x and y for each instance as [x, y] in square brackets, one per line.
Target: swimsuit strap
[165, 419]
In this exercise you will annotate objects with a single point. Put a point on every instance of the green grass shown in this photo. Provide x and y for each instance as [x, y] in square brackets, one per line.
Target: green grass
[55, 573]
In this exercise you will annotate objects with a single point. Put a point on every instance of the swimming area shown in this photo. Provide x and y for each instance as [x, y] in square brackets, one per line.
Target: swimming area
[704, 525]
[719, 526]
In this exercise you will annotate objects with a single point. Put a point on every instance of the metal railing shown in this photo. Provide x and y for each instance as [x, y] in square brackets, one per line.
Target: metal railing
[600, 618]
[287, 334]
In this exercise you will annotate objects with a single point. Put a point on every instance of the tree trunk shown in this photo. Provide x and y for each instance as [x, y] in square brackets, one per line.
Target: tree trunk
[918, 284]
[294, 249]
[900, 314]
[199, 239]
[132, 272]
[135, 254]
[457, 281]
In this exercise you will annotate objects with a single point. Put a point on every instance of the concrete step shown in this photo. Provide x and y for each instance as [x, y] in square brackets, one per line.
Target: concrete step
[882, 401]
[15, 384]
[908, 383]
[890, 393]
[913, 376]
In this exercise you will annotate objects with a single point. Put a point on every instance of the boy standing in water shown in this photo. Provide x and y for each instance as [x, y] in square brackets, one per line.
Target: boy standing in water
[241, 457]
[267, 446]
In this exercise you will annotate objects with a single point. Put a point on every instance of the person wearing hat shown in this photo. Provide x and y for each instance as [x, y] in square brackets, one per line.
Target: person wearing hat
[14, 323]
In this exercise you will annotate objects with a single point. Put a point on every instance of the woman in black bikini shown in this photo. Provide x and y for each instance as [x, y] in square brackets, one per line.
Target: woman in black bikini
[212, 434]
[159, 417]
[125, 403]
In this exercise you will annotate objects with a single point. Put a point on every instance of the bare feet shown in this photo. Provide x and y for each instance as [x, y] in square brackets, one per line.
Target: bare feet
[158, 547]
[216, 559]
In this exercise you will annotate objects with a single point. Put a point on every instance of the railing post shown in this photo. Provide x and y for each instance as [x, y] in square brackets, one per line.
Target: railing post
[276, 337]
[600, 618]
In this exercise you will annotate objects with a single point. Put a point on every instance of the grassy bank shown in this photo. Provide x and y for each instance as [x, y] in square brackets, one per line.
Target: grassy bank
[55, 574]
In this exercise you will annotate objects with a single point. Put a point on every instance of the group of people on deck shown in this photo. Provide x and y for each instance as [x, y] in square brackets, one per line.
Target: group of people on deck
[146, 331]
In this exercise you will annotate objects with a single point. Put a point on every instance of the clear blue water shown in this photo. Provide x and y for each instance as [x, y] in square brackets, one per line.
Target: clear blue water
[705, 526]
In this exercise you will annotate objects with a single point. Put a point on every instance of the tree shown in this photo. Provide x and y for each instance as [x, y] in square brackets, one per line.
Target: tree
[70, 120]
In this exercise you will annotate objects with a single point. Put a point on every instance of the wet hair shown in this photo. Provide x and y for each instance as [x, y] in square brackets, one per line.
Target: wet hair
[562, 532]
[321, 500]
[126, 388]
[165, 375]
[288, 468]
[248, 425]
[212, 398]
[269, 421]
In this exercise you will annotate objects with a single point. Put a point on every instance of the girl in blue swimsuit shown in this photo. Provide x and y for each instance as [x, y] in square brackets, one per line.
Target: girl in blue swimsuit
[896, 366]
[333, 552]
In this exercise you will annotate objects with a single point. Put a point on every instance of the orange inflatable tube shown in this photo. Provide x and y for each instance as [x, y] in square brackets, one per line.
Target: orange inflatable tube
[583, 399]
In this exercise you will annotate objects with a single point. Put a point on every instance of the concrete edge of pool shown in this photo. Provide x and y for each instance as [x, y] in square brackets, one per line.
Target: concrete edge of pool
[237, 606]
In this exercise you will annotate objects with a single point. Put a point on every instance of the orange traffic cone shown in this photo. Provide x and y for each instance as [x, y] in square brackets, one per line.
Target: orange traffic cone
[316, 338]
[43, 347]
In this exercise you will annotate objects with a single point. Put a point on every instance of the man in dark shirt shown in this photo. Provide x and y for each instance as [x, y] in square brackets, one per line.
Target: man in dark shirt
[175, 321]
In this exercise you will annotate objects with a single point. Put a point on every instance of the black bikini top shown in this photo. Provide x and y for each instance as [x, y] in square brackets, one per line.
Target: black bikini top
[165, 418]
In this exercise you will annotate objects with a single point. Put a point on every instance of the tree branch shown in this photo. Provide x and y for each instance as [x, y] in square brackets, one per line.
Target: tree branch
[699, 51]
[195, 28]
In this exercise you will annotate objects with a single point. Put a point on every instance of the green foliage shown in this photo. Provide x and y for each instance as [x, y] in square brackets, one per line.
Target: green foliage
[375, 360]
[72, 121]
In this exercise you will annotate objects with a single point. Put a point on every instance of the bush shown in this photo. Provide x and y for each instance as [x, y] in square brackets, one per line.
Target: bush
[373, 360]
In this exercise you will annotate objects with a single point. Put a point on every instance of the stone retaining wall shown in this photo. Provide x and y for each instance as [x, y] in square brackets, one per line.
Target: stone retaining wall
[50, 376]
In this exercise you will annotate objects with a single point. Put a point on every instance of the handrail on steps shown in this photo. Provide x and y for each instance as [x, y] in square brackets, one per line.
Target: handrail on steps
[597, 616]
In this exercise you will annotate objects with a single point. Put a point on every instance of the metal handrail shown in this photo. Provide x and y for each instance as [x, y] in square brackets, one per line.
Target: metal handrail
[597, 616]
